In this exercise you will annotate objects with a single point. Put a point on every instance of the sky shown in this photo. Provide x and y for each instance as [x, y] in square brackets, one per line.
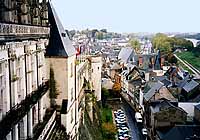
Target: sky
[130, 15]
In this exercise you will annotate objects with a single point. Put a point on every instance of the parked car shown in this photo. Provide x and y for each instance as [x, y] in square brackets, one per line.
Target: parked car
[122, 133]
[120, 111]
[124, 128]
[138, 117]
[144, 131]
[121, 116]
[120, 119]
[122, 125]
[121, 138]
[119, 124]
[126, 136]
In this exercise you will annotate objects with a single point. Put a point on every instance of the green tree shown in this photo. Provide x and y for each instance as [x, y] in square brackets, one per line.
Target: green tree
[196, 51]
[172, 59]
[116, 88]
[99, 35]
[162, 42]
[105, 92]
[135, 44]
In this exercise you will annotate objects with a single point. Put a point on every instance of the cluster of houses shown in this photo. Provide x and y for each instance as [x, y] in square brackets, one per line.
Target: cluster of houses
[167, 97]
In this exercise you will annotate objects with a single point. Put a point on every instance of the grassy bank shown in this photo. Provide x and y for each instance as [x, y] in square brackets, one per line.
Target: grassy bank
[190, 58]
[107, 126]
[102, 127]
[184, 67]
[106, 115]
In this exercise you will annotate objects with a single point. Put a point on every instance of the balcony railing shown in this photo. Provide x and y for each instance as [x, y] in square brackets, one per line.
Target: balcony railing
[15, 30]
[41, 129]
[20, 110]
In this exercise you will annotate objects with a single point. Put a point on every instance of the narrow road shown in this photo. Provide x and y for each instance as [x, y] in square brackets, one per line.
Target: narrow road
[135, 131]
[194, 70]
[198, 72]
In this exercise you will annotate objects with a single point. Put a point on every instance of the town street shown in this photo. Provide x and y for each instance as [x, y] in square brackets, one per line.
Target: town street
[135, 131]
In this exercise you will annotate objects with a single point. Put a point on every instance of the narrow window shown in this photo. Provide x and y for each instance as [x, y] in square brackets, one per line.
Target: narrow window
[72, 94]
[63, 34]
[71, 69]
[72, 116]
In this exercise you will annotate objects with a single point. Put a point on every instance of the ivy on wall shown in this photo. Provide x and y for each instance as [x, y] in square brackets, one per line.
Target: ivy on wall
[53, 92]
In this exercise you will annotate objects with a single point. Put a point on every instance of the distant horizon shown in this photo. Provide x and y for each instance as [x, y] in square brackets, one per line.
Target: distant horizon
[130, 16]
[134, 32]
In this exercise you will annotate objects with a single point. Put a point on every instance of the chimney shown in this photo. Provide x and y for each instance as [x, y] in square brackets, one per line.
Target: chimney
[140, 61]
[147, 76]
[152, 62]
[162, 61]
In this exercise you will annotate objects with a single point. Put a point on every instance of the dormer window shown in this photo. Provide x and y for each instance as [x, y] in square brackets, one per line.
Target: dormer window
[63, 34]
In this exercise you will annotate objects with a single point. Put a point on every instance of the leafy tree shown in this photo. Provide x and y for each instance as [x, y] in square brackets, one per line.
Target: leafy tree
[161, 41]
[105, 92]
[109, 130]
[116, 88]
[168, 44]
[135, 44]
[196, 51]
[172, 59]
[105, 95]
[99, 35]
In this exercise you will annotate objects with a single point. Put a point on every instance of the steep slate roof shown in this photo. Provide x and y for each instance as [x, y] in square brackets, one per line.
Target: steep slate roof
[115, 66]
[164, 80]
[190, 85]
[59, 42]
[164, 103]
[180, 132]
[197, 106]
[182, 83]
[153, 90]
[125, 54]
[157, 62]
[189, 108]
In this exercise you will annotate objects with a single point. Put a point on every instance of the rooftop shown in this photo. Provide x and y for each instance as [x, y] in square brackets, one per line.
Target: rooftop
[151, 92]
[59, 43]
[181, 132]
[125, 54]
[190, 85]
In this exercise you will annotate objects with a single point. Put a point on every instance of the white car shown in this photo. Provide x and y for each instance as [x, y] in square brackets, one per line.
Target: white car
[121, 116]
[122, 133]
[144, 131]
[124, 137]
[124, 128]
[122, 125]
[119, 123]
[121, 138]
[115, 112]
[120, 111]
[121, 120]
[138, 117]
[127, 136]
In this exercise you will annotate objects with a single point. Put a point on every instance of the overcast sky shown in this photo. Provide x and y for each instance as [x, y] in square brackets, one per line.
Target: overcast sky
[130, 15]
